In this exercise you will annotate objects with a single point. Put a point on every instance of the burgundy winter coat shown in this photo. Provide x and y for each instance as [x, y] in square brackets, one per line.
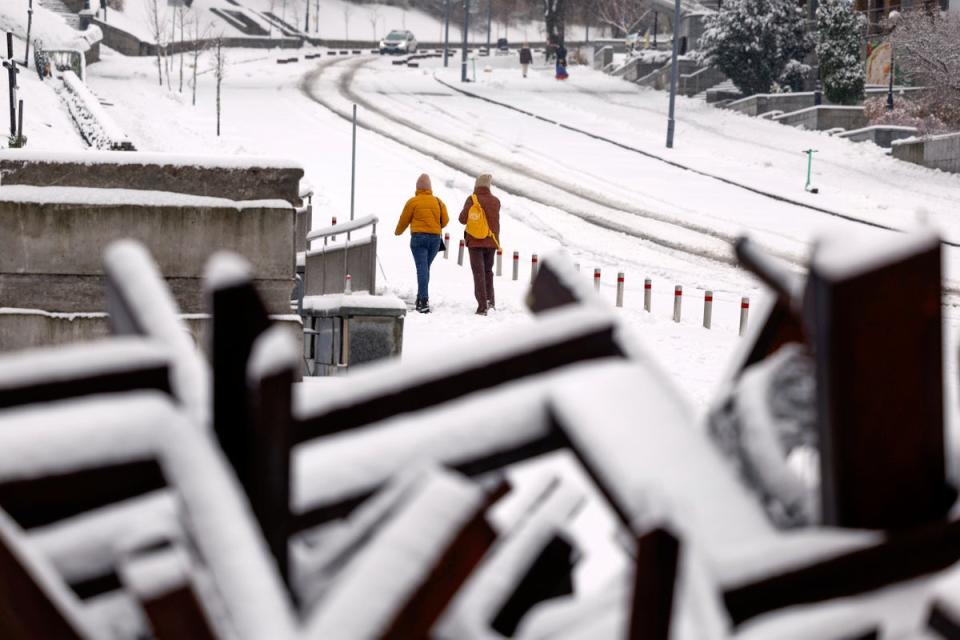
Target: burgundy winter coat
[491, 207]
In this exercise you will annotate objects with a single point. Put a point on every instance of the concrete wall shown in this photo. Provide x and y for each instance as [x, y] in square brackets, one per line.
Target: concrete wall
[50, 252]
[129, 45]
[761, 103]
[30, 329]
[825, 117]
[156, 172]
[879, 135]
[324, 271]
[936, 152]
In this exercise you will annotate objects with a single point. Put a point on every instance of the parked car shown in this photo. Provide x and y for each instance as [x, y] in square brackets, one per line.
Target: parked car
[502, 46]
[398, 41]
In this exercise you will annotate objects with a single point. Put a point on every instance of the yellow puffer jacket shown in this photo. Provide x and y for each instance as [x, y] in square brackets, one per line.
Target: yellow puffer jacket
[423, 213]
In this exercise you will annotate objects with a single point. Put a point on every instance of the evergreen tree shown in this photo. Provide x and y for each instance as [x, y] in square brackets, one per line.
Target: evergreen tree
[755, 41]
[839, 43]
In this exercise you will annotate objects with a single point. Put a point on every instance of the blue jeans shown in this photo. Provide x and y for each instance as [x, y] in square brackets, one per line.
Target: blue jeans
[424, 247]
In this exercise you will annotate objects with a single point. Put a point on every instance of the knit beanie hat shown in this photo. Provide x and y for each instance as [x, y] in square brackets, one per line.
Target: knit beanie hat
[483, 180]
[423, 183]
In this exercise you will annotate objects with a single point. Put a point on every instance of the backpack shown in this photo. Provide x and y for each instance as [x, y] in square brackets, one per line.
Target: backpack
[477, 226]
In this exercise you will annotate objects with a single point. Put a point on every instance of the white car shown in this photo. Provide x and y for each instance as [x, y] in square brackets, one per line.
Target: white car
[398, 41]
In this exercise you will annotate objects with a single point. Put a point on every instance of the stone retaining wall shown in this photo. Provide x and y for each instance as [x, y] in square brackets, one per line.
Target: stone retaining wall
[52, 240]
[231, 178]
[880, 135]
[936, 152]
[825, 117]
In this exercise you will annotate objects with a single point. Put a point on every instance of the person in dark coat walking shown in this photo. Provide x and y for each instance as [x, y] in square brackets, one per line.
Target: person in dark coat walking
[561, 62]
[526, 58]
[483, 250]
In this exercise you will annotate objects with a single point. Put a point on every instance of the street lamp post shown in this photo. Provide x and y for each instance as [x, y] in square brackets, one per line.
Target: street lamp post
[446, 32]
[466, 30]
[674, 65]
[894, 17]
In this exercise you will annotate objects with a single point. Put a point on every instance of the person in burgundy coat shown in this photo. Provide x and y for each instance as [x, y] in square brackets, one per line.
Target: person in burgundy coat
[483, 251]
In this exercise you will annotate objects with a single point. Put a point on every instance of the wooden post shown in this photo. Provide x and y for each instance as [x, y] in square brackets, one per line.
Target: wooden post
[238, 318]
[879, 371]
[657, 555]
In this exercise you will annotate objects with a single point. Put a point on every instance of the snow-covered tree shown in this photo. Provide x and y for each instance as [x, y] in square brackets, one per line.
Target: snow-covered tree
[754, 41]
[925, 50]
[840, 31]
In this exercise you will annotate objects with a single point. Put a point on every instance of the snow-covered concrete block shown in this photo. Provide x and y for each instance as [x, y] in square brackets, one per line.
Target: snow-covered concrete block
[937, 152]
[52, 240]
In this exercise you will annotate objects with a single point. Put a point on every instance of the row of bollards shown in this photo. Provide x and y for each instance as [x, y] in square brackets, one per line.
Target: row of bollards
[647, 286]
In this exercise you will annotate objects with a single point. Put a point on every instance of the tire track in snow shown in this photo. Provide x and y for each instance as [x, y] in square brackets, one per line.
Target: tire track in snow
[674, 163]
[564, 198]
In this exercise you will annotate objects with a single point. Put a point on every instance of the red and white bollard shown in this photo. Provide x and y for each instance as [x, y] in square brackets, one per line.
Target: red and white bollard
[647, 290]
[620, 289]
[446, 246]
[499, 262]
[707, 309]
[460, 254]
[534, 267]
[348, 284]
[334, 223]
[596, 279]
[516, 265]
[677, 301]
[744, 311]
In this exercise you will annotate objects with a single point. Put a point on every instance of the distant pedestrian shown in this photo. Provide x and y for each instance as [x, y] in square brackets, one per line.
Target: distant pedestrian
[526, 58]
[426, 215]
[481, 215]
[561, 62]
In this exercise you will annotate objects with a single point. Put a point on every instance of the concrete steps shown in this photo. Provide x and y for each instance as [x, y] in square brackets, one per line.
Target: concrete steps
[56, 6]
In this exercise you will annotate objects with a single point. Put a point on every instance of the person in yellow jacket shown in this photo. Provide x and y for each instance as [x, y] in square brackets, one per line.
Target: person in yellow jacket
[426, 215]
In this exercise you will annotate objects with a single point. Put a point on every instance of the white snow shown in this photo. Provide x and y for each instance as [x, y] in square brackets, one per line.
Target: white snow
[330, 302]
[343, 227]
[22, 368]
[134, 272]
[843, 258]
[106, 157]
[225, 270]
[156, 573]
[274, 351]
[378, 582]
[97, 127]
[127, 197]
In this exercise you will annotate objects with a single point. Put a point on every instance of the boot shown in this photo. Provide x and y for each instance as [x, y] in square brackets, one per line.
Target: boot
[481, 310]
[419, 304]
[424, 306]
[491, 306]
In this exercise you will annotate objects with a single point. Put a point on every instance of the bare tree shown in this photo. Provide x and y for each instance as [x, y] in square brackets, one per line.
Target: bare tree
[553, 18]
[624, 16]
[374, 15]
[157, 21]
[219, 70]
[925, 48]
[347, 10]
[183, 18]
[199, 37]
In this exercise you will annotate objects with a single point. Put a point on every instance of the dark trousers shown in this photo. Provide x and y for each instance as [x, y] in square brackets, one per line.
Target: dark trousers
[481, 263]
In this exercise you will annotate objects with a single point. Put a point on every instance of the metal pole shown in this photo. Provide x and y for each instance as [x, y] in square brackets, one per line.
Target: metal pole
[890, 88]
[446, 32]
[677, 301]
[596, 279]
[534, 267]
[647, 290]
[446, 246]
[516, 264]
[466, 28]
[499, 262]
[306, 20]
[12, 79]
[707, 309]
[655, 29]
[489, 22]
[674, 67]
[26, 52]
[744, 311]
[620, 289]
[353, 165]
[460, 254]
